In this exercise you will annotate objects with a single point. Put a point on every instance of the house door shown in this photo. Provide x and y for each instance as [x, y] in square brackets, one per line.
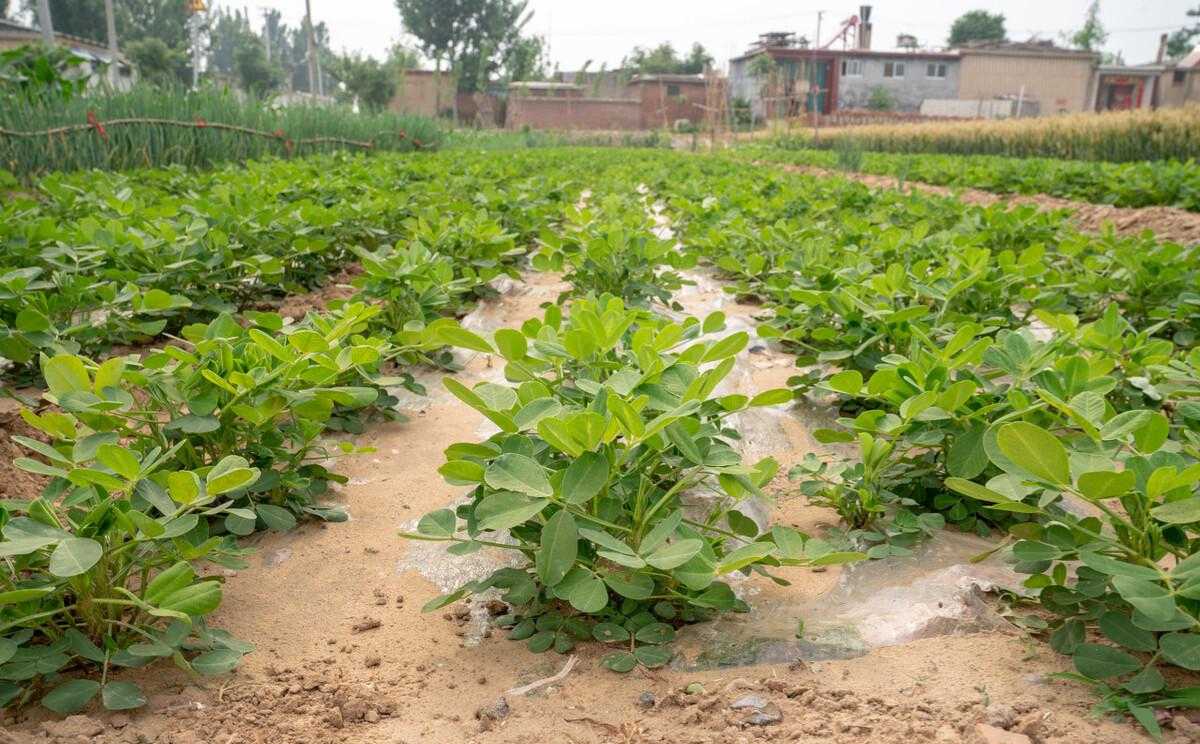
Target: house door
[821, 82]
[1120, 97]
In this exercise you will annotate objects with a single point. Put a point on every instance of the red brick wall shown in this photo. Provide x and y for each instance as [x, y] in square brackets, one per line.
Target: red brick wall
[573, 113]
[660, 109]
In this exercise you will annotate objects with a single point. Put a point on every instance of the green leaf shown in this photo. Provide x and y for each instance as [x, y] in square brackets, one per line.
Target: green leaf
[456, 335]
[119, 460]
[504, 510]
[74, 556]
[653, 656]
[184, 486]
[1105, 484]
[1118, 629]
[195, 600]
[1151, 598]
[461, 472]
[726, 347]
[439, 523]
[167, 581]
[1113, 567]
[230, 474]
[511, 344]
[661, 531]
[619, 661]
[70, 697]
[560, 546]
[745, 556]
[605, 540]
[1181, 649]
[193, 424]
[629, 584]
[1101, 662]
[966, 457]
[584, 478]
[656, 633]
[589, 596]
[673, 555]
[1146, 681]
[1124, 424]
[276, 517]
[976, 491]
[849, 382]
[609, 633]
[1185, 511]
[65, 374]
[1036, 450]
[774, 397]
[122, 696]
[218, 661]
[514, 472]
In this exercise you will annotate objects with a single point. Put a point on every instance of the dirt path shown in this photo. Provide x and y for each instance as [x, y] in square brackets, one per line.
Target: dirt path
[344, 654]
[1167, 223]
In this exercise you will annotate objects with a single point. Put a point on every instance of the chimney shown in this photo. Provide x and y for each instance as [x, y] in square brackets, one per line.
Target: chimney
[864, 27]
[1162, 50]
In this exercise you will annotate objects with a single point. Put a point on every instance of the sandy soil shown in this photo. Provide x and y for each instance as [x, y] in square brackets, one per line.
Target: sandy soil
[345, 655]
[1168, 223]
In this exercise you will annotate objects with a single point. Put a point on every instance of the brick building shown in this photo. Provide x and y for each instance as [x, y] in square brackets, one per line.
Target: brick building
[1060, 80]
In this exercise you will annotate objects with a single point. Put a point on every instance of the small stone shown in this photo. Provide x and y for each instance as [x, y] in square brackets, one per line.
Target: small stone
[993, 735]
[118, 720]
[367, 623]
[372, 661]
[947, 734]
[695, 688]
[749, 701]
[1000, 716]
[1033, 725]
[333, 717]
[482, 680]
[74, 726]
[769, 714]
[372, 716]
[494, 712]
[1185, 727]
[646, 700]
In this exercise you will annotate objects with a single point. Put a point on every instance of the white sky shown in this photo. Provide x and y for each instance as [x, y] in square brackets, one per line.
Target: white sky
[606, 30]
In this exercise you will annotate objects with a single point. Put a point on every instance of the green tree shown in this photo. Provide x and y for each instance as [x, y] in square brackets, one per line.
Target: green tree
[664, 60]
[158, 63]
[977, 25]
[1180, 42]
[373, 83]
[474, 37]
[527, 60]
[1092, 35]
[3, 8]
[254, 73]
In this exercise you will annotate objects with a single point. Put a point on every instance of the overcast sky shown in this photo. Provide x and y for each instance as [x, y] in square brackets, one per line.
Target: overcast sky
[605, 31]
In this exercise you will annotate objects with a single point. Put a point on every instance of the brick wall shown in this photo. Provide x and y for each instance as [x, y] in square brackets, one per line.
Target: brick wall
[663, 102]
[417, 93]
[573, 113]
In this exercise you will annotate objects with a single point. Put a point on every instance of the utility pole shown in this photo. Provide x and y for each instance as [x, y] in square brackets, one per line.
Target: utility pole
[315, 86]
[195, 25]
[814, 90]
[267, 31]
[45, 22]
[113, 53]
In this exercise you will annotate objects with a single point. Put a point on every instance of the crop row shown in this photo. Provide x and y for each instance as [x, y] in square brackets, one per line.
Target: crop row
[1141, 184]
[998, 371]
[1116, 137]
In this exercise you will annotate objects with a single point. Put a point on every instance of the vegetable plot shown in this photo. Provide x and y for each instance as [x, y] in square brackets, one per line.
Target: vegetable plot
[614, 477]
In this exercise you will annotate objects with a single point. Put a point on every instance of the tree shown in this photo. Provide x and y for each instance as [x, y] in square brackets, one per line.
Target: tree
[1180, 42]
[254, 73]
[158, 63]
[1092, 35]
[474, 37]
[664, 60]
[526, 60]
[365, 78]
[977, 25]
[3, 8]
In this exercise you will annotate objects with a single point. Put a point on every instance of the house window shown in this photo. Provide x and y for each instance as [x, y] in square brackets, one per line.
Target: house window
[672, 90]
[935, 70]
[1177, 77]
[893, 69]
[852, 68]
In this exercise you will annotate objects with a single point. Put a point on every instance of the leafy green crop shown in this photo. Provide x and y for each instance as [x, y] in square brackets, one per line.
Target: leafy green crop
[613, 476]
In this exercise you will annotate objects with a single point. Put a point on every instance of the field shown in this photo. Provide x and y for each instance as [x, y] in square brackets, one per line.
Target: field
[623, 444]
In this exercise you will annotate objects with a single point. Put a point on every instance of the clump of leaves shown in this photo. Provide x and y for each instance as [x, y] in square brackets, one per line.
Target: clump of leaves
[98, 574]
[613, 248]
[613, 478]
